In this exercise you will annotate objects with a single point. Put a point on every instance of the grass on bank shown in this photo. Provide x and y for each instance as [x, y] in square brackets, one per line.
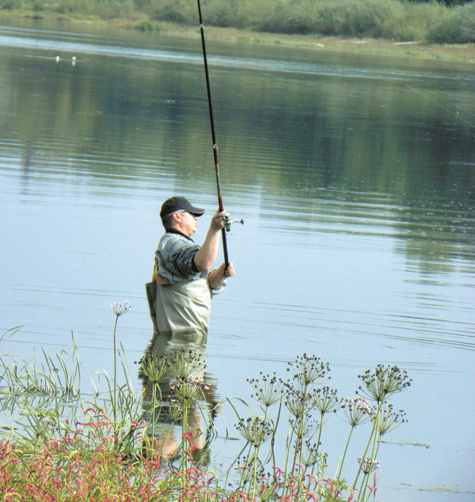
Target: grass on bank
[427, 29]
[119, 444]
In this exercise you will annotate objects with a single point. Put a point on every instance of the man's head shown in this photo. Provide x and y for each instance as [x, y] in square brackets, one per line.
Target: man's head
[179, 213]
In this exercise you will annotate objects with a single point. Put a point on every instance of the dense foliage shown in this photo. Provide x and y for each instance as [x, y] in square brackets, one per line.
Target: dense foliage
[450, 21]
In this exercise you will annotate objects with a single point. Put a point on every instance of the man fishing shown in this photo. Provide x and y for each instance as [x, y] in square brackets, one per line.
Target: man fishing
[182, 277]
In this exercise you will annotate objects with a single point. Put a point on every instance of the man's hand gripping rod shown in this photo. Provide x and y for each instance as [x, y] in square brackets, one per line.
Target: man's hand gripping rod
[226, 217]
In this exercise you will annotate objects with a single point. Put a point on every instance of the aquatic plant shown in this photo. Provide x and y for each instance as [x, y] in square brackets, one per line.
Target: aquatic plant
[383, 382]
[308, 402]
[59, 452]
[119, 309]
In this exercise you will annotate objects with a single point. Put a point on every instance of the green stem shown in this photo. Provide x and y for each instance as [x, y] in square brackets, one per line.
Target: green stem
[362, 492]
[370, 440]
[338, 472]
[114, 405]
[320, 431]
[184, 430]
[272, 440]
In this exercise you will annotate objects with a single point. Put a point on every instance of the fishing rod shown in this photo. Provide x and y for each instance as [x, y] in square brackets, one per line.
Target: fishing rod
[226, 218]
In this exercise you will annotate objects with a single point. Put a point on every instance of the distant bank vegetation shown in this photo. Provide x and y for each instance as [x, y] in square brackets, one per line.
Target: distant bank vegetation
[449, 21]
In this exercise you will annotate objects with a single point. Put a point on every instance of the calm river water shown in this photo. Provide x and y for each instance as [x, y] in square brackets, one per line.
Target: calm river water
[354, 176]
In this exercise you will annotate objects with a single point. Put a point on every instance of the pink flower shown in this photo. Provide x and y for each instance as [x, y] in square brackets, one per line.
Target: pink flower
[332, 486]
[278, 471]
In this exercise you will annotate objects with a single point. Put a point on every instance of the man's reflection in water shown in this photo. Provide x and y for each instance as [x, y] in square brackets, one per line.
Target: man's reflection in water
[173, 374]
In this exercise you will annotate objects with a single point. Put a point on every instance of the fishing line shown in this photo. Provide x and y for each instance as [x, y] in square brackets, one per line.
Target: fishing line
[455, 114]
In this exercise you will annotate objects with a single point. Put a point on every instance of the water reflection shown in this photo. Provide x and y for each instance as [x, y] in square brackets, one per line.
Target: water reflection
[179, 396]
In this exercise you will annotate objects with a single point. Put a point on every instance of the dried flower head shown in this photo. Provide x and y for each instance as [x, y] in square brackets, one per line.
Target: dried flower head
[186, 389]
[268, 389]
[297, 403]
[308, 369]
[325, 400]
[383, 382]
[304, 426]
[388, 420]
[255, 430]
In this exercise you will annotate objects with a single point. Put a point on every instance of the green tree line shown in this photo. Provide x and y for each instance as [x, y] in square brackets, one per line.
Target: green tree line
[447, 21]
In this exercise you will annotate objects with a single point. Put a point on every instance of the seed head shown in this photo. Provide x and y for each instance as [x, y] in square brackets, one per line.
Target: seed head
[153, 367]
[251, 468]
[308, 369]
[268, 389]
[310, 455]
[304, 426]
[255, 430]
[325, 400]
[383, 382]
[388, 420]
[296, 403]
[184, 364]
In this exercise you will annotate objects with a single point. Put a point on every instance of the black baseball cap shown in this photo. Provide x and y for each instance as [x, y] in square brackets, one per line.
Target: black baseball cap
[179, 204]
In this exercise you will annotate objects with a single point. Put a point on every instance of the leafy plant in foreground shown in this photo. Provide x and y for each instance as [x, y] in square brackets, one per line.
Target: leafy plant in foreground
[53, 455]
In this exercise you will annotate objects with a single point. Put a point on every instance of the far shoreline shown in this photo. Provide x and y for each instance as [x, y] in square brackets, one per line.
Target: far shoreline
[455, 53]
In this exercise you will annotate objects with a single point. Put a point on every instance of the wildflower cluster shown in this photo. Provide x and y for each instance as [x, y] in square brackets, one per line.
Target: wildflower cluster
[120, 459]
[80, 465]
[368, 465]
[357, 411]
[120, 309]
[307, 405]
[379, 386]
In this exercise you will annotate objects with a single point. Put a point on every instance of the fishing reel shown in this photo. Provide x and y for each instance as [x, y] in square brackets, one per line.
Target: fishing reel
[228, 221]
